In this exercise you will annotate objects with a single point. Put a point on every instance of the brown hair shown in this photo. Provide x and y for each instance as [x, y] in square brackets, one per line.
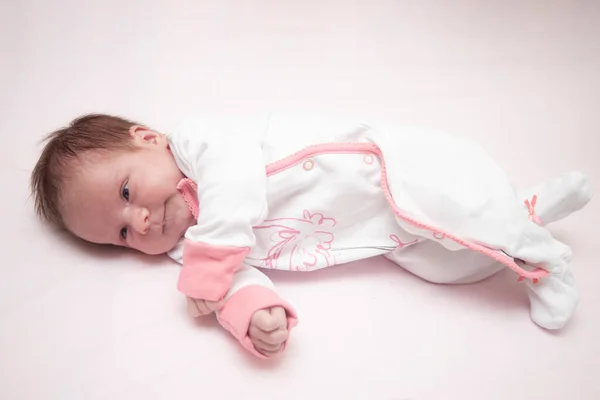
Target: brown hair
[86, 133]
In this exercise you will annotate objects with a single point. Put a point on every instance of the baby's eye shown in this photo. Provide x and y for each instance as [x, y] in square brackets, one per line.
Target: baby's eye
[125, 191]
[124, 233]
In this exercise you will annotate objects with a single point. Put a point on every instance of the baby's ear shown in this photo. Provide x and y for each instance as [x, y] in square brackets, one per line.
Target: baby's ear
[141, 134]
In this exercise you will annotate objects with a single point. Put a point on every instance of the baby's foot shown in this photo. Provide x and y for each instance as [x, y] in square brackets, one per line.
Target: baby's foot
[558, 198]
[553, 300]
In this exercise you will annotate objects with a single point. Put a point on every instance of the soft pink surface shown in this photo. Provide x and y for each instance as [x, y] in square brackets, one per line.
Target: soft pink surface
[78, 322]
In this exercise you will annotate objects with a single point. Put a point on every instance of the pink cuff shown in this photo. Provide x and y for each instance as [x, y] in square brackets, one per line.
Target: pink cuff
[236, 314]
[207, 270]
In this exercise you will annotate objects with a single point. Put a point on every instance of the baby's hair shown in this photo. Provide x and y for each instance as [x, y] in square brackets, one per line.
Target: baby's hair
[92, 132]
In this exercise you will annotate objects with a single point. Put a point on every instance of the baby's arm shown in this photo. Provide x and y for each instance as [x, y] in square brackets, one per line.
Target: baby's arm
[252, 312]
[255, 314]
[227, 164]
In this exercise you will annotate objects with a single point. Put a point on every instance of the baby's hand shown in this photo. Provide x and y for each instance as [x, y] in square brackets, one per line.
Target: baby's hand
[268, 330]
[198, 307]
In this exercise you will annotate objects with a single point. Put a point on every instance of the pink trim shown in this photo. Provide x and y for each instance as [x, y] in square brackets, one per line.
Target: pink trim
[311, 151]
[533, 217]
[236, 314]
[207, 270]
[189, 191]
[296, 158]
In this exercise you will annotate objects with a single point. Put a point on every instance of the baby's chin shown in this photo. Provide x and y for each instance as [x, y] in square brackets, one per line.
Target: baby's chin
[160, 248]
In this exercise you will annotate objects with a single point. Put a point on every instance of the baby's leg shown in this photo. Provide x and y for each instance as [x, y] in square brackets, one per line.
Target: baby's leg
[431, 261]
[558, 198]
[554, 298]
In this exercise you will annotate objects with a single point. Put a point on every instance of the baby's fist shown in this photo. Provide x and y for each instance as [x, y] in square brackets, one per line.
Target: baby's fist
[268, 330]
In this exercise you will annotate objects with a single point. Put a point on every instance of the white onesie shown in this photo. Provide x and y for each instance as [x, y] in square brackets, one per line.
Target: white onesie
[304, 193]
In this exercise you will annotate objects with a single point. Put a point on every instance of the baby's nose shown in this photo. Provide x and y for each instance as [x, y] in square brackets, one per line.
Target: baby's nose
[141, 222]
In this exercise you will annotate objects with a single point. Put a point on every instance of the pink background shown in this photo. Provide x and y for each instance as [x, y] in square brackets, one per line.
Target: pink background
[521, 77]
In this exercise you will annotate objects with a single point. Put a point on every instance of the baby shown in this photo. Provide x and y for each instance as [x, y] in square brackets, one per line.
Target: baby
[225, 197]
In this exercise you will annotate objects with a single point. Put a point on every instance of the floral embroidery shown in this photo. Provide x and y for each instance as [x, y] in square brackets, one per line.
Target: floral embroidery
[303, 244]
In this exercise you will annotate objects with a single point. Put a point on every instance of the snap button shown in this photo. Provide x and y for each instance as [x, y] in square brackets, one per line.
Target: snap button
[368, 159]
[308, 165]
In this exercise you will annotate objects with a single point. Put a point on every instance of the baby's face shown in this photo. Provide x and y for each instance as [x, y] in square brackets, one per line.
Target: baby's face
[128, 198]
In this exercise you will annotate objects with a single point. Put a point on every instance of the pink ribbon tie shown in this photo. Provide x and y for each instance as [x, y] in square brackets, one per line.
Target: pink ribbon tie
[531, 209]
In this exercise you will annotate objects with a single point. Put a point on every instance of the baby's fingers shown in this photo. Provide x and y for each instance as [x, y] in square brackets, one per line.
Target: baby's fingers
[273, 338]
[270, 319]
[265, 347]
[268, 350]
[197, 308]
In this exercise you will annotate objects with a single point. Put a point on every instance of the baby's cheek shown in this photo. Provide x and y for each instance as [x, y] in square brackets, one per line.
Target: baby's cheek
[150, 247]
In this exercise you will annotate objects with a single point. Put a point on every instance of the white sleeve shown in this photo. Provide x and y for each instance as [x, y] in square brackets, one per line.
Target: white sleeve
[225, 159]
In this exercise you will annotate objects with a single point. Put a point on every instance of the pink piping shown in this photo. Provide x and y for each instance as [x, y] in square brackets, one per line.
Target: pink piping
[311, 151]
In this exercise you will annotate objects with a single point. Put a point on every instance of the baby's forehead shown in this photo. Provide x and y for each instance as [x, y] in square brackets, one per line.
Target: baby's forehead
[94, 163]
[88, 194]
[87, 172]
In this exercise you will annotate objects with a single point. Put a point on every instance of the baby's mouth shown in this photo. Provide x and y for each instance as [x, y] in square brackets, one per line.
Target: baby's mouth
[164, 221]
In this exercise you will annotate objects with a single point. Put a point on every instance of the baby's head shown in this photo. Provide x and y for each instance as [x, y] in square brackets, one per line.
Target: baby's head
[111, 181]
